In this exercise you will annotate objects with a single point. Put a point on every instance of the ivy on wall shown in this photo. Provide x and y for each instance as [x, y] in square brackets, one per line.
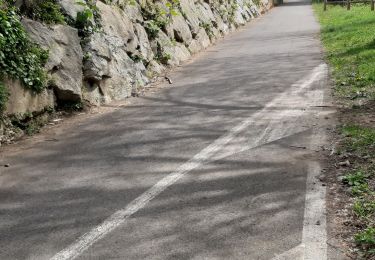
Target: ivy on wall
[3, 96]
[88, 20]
[20, 58]
[46, 11]
[157, 17]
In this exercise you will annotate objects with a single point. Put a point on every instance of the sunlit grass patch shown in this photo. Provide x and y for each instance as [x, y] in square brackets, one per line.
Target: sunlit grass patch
[349, 41]
[359, 139]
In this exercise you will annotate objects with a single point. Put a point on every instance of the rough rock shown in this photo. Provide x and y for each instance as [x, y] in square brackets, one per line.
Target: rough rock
[154, 69]
[179, 30]
[118, 27]
[144, 44]
[164, 47]
[201, 42]
[97, 58]
[208, 17]
[22, 100]
[65, 57]
[71, 8]
[113, 67]
[120, 58]
[119, 84]
[190, 14]
[133, 11]
[92, 95]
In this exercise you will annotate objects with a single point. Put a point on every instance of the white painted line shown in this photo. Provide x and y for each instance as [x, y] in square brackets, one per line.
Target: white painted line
[204, 156]
[314, 234]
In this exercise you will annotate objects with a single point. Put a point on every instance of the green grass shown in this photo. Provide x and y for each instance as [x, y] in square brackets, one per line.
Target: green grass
[355, 179]
[363, 209]
[366, 239]
[359, 139]
[349, 41]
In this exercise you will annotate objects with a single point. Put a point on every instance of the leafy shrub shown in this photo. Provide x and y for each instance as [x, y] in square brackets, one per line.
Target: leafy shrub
[163, 57]
[157, 17]
[46, 11]
[364, 207]
[19, 57]
[152, 29]
[366, 239]
[208, 28]
[355, 179]
[3, 97]
[87, 21]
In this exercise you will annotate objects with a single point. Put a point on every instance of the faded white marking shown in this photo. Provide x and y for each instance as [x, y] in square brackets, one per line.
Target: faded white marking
[295, 253]
[314, 234]
[204, 156]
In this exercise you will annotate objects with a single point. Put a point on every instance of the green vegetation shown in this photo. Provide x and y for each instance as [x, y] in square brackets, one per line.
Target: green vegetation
[349, 41]
[364, 208]
[208, 28]
[31, 123]
[256, 2]
[227, 10]
[355, 179]
[87, 21]
[157, 17]
[163, 57]
[46, 11]
[19, 57]
[232, 12]
[360, 141]
[3, 97]
[366, 239]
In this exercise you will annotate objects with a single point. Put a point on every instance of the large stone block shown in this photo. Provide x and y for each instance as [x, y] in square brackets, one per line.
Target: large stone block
[22, 100]
[65, 57]
[71, 7]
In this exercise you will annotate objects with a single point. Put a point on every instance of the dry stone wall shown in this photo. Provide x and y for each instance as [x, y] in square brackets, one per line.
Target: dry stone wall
[133, 42]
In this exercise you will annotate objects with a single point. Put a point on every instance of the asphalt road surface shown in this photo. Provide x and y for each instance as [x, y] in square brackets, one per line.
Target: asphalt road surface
[222, 164]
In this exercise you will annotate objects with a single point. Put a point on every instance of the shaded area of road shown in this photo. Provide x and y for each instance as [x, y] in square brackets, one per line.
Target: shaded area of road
[247, 205]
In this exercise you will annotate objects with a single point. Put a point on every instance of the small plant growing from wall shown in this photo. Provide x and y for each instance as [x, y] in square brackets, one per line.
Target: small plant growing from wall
[3, 97]
[157, 17]
[232, 12]
[162, 56]
[88, 20]
[208, 28]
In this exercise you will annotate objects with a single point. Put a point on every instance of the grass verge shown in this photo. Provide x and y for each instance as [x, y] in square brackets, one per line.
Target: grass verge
[358, 146]
[349, 42]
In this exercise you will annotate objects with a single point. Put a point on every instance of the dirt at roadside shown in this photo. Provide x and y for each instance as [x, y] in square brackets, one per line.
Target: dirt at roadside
[343, 224]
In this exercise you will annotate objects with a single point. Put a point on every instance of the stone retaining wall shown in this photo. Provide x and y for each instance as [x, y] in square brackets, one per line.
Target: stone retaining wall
[121, 57]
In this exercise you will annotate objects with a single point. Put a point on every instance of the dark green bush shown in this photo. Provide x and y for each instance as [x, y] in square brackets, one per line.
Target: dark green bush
[46, 11]
[87, 21]
[3, 97]
[19, 57]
